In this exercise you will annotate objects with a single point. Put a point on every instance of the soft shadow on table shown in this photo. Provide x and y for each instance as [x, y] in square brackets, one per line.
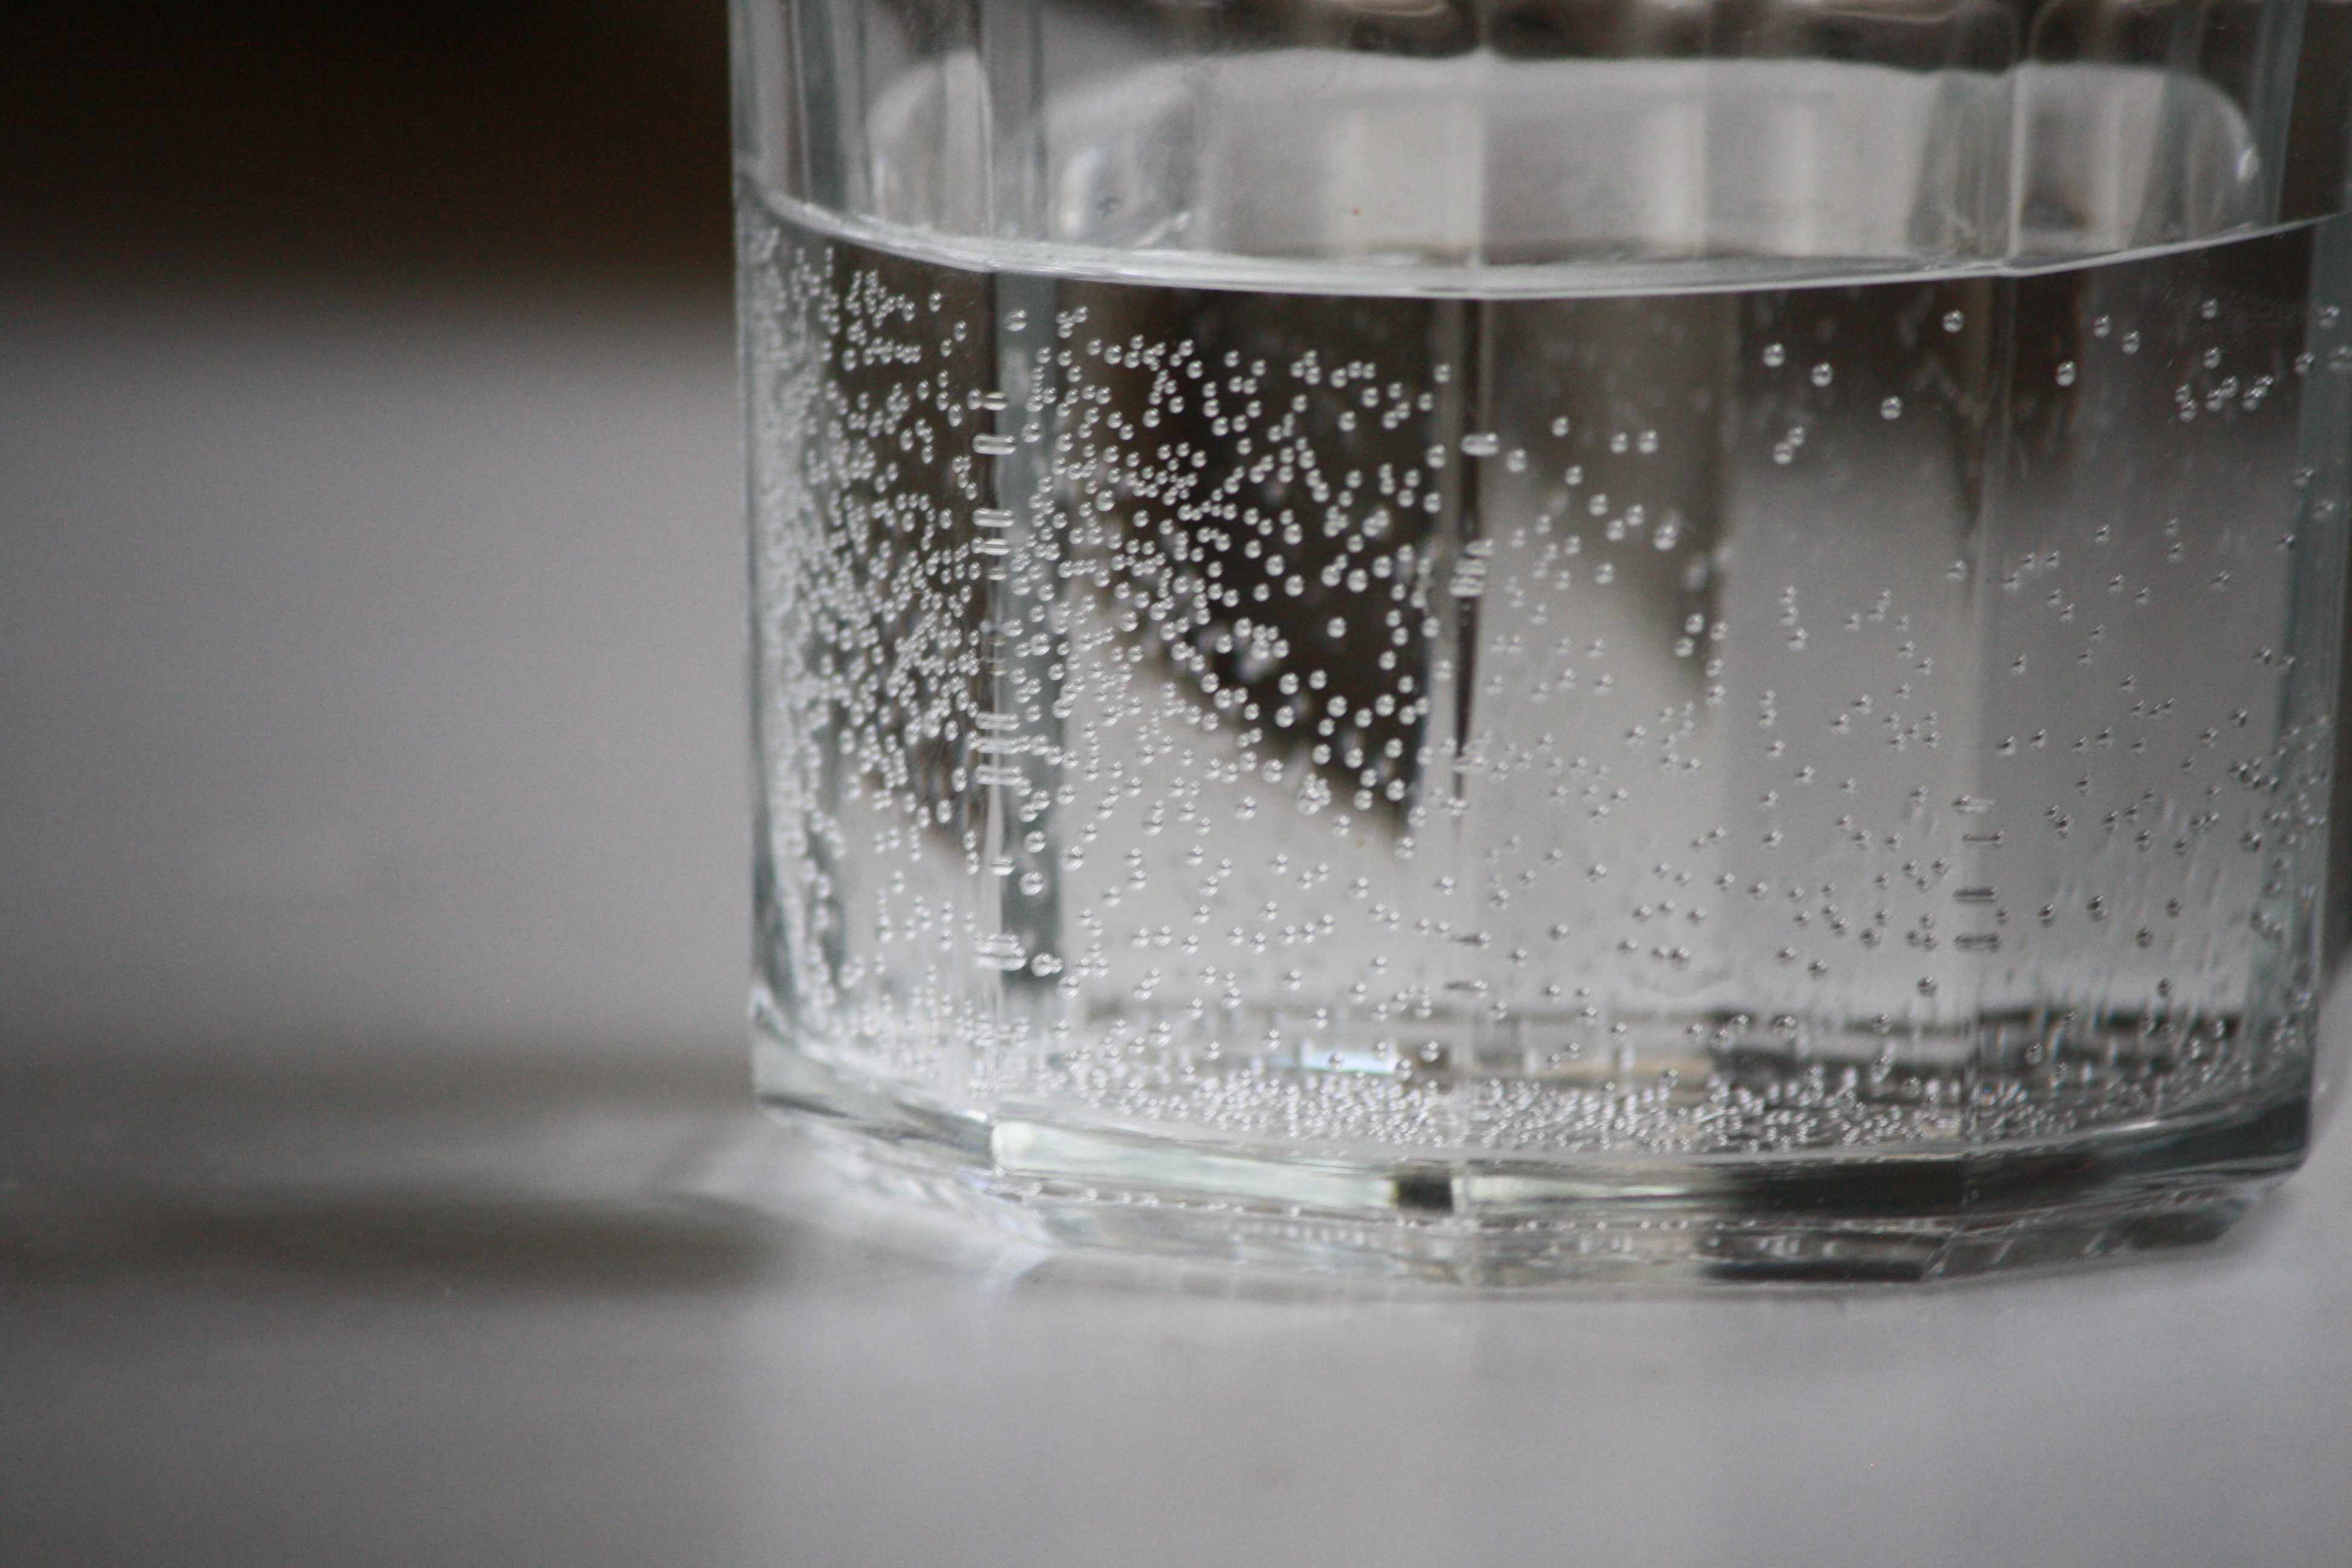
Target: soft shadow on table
[402, 1170]
[474, 1307]
[494, 1170]
[395, 1239]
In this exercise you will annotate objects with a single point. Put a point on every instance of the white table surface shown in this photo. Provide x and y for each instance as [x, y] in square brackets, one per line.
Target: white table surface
[377, 1184]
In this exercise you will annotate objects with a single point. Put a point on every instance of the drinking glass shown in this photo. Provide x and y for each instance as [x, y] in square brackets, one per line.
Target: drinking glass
[1531, 639]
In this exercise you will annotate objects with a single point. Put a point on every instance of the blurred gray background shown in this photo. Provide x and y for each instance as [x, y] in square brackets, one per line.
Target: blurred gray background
[368, 505]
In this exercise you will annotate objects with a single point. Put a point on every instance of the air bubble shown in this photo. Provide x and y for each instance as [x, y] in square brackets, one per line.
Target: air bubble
[1202, 610]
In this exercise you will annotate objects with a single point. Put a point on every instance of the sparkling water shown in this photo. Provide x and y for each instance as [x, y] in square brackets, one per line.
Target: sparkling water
[1871, 712]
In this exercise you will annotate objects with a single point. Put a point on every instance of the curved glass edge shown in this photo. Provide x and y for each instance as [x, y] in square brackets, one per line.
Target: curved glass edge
[1110, 141]
[1916, 1218]
[1565, 279]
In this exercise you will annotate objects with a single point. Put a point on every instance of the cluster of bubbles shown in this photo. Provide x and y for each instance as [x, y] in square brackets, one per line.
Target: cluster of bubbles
[1532, 725]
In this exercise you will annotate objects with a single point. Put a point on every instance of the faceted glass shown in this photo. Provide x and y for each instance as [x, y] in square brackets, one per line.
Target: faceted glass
[1522, 642]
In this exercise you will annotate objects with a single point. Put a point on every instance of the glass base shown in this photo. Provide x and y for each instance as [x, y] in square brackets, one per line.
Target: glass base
[1939, 1213]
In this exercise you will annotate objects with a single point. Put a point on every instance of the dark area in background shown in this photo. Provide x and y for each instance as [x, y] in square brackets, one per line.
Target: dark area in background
[369, 532]
[509, 144]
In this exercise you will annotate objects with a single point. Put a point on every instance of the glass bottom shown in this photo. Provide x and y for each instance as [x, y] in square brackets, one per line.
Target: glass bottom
[1825, 1217]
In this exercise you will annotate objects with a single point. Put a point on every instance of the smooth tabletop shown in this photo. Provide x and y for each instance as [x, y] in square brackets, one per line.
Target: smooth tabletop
[378, 1179]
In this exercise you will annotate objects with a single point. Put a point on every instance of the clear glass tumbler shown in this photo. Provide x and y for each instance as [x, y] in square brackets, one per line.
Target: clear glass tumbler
[1516, 640]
